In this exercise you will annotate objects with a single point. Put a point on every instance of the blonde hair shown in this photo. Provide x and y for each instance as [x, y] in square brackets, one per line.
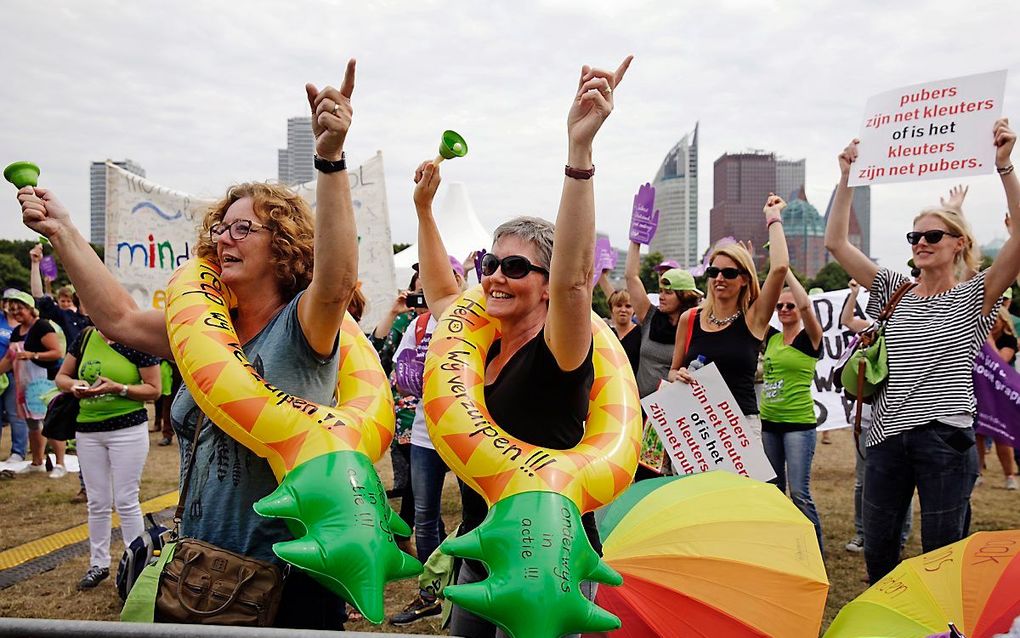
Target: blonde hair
[968, 259]
[1007, 321]
[618, 298]
[284, 214]
[748, 293]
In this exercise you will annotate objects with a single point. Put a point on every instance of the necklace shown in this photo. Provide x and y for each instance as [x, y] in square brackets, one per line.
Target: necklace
[723, 322]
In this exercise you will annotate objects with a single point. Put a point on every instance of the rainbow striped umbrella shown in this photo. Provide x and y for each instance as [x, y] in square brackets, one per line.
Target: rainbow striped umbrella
[973, 583]
[711, 555]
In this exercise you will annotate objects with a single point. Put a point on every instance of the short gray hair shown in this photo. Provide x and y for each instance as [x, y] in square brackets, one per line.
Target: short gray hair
[535, 230]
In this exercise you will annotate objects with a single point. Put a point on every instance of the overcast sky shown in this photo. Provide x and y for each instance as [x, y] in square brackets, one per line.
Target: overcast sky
[198, 92]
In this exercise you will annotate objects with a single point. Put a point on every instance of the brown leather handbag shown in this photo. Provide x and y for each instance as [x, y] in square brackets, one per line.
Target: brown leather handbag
[207, 585]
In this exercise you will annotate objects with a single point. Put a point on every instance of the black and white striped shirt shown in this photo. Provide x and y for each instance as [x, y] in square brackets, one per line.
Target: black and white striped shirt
[932, 342]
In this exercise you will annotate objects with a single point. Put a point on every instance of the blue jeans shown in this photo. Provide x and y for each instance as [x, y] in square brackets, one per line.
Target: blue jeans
[19, 429]
[941, 461]
[790, 454]
[859, 464]
[428, 471]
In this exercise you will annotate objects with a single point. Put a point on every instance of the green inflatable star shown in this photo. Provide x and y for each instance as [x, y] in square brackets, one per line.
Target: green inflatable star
[336, 507]
[537, 554]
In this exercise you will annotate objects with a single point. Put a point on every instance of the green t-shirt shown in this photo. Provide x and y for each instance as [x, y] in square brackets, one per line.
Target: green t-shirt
[789, 372]
[115, 362]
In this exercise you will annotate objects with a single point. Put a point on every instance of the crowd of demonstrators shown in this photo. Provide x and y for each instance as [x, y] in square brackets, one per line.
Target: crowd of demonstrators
[112, 383]
[788, 418]
[922, 433]
[537, 282]
[428, 470]
[1002, 337]
[855, 325]
[257, 233]
[34, 355]
[9, 409]
[729, 326]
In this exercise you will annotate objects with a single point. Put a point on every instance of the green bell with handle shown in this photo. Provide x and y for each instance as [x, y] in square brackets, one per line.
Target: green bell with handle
[23, 174]
[451, 145]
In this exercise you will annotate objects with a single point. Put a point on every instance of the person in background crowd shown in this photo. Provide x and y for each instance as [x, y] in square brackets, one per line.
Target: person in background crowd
[293, 275]
[34, 355]
[162, 422]
[788, 418]
[428, 470]
[112, 383]
[923, 414]
[621, 314]
[537, 281]
[66, 312]
[9, 395]
[1003, 338]
[731, 324]
[856, 324]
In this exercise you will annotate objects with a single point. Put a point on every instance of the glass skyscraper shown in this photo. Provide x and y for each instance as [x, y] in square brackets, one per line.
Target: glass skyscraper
[676, 197]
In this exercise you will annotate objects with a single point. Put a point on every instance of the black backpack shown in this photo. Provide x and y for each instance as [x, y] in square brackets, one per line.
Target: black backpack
[139, 553]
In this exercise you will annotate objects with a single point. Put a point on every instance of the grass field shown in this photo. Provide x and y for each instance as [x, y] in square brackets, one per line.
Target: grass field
[32, 507]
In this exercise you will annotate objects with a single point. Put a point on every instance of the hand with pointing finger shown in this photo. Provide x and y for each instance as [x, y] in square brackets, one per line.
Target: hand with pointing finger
[331, 115]
[593, 102]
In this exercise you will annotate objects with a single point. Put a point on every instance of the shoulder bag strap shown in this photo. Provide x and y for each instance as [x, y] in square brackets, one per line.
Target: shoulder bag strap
[894, 300]
[183, 496]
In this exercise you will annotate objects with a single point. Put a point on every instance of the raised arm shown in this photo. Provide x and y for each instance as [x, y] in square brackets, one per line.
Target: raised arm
[604, 285]
[110, 307]
[635, 287]
[779, 265]
[837, 232]
[846, 316]
[807, 309]
[321, 308]
[434, 272]
[35, 274]
[1004, 270]
[570, 272]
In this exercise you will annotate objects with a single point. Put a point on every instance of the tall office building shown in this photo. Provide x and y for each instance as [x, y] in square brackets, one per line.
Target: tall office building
[294, 163]
[860, 218]
[790, 178]
[805, 235]
[97, 185]
[741, 182]
[676, 197]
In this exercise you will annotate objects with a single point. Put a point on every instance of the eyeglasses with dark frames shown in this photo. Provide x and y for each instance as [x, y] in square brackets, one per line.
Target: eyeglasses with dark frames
[238, 229]
[785, 306]
[930, 236]
[512, 266]
[728, 273]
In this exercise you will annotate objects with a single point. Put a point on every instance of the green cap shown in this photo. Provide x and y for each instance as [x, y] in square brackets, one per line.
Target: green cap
[17, 295]
[677, 279]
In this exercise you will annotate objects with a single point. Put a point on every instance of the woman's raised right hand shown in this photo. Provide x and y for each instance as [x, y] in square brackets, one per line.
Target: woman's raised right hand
[426, 180]
[42, 211]
[848, 156]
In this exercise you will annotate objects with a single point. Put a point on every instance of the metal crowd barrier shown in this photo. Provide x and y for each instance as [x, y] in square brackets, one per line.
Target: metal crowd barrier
[42, 628]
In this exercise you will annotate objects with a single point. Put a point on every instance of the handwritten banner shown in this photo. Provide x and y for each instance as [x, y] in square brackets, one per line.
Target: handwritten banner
[703, 429]
[930, 131]
[997, 390]
[151, 229]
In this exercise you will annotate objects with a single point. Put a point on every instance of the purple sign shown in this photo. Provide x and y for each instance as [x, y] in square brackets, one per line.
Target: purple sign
[997, 390]
[48, 267]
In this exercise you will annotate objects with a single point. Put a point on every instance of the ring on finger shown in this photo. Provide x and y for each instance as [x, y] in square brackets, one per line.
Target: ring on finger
[607, 90]
[336, 107]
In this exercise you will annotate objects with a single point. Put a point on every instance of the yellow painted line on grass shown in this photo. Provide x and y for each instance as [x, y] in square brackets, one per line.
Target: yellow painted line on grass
[49, 544]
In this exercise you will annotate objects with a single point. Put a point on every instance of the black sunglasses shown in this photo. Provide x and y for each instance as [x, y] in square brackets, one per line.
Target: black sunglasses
[238, 229]
[728, 273]
[930, 236]
[786, 306]
[513, 266]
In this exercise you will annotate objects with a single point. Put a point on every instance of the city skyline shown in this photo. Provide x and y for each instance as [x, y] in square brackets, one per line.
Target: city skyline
[295, 163]
[676, 198]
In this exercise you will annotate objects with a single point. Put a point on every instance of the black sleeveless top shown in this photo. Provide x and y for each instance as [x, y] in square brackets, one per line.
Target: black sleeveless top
[631, 343]
[734, 350]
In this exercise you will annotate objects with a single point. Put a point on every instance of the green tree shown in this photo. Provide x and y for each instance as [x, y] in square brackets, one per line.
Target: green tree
[399, 247]
[649, 277]
[599, 302]
[12, 273]
[832, 276]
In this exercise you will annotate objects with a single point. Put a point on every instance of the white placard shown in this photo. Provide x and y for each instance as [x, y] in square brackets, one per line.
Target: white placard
[933, 130]
[703, 429]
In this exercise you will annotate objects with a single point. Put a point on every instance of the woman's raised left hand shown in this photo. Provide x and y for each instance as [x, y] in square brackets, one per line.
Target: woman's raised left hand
[331, 115]
[593, 102]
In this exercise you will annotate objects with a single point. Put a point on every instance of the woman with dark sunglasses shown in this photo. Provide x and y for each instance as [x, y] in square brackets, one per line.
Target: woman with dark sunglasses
[923, 434]
[788, 419]
[729, 326]
[293, 275]
[537, 281]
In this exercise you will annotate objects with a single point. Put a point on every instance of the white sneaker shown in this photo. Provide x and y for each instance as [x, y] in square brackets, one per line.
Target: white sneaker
[58, 472]
[1011, 483]
[15, 458]
[855, 545]
[32, 469]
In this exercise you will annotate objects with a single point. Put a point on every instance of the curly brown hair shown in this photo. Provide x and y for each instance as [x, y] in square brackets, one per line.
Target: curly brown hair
[286, 215]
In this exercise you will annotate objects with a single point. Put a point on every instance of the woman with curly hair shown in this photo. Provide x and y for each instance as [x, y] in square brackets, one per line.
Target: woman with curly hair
[293, 276]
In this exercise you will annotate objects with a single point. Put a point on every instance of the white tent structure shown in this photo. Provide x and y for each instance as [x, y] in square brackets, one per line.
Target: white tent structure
[460, 227]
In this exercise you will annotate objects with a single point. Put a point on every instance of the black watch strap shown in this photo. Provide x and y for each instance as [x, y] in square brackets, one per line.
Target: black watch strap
[326, 166]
